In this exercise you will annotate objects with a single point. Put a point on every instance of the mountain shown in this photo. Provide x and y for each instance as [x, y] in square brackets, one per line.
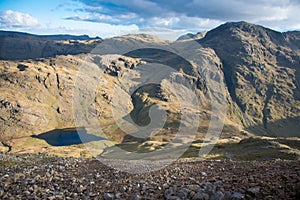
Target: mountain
[47, 84]
[68, 37]
[45, 87]
[49, 37]
[20, 46]
[262, 72]
[187, 36]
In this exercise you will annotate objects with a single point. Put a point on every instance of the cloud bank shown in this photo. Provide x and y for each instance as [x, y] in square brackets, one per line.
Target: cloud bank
[190, 15]
[164, 18]
[15, 19]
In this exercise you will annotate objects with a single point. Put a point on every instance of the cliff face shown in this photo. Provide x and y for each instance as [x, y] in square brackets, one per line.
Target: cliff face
[35, 95]
[262, 72]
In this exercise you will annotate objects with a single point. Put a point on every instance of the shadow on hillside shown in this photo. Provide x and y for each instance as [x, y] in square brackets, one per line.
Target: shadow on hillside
[289, 127]
[67, 137]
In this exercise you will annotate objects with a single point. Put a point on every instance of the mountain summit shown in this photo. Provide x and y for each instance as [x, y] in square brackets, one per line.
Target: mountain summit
[262, 72]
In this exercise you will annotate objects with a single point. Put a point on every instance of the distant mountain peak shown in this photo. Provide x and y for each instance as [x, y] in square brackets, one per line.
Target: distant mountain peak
[245, 28]
[142, 37]
[68, 37]
[189, 36]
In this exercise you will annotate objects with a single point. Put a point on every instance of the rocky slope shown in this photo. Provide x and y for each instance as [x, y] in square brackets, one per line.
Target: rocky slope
[262, 72]
[37, 96]
[45, 87]
[48, 177]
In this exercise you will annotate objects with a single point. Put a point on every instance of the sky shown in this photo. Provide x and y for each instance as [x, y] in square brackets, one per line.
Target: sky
[167, 19]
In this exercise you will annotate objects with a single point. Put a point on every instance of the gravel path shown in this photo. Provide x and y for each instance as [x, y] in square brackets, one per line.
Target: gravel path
[49, 177]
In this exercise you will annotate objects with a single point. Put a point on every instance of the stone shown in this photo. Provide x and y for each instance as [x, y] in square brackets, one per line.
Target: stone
[118, 196]
[254, 191]
[169, 192]
[237, 196]
[218, 184]
[30, 189]
[109, 196]
[182, 194]
[122, 189]
[201, 196]
[203, 174]
[217, 196]
[174, 198]
[51, 198]
[92, 194]
[136, 197]
[192, 187]
[227, 195]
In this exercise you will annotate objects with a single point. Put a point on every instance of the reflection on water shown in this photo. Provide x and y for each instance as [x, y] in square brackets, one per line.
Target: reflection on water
[68, 136]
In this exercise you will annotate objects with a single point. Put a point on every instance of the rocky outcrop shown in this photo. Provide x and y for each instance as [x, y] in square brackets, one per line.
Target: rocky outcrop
[37, 96]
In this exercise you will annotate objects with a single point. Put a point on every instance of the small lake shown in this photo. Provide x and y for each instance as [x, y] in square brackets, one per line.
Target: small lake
[68, 136]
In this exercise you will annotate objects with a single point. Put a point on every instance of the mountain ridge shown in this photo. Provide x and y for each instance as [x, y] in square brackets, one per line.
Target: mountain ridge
[259, 66]
[21, 46]
[50, 37]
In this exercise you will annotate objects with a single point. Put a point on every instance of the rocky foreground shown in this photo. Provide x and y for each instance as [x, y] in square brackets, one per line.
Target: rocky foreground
[45, 176]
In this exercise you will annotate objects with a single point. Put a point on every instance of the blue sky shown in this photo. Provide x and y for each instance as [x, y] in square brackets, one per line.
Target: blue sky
[164, 18]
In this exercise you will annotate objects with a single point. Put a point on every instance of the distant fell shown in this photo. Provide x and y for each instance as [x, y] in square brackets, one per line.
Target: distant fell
[20, 46]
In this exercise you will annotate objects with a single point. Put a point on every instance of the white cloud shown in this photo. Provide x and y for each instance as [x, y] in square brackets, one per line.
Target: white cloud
[103, 18]
[92, 29]
[198, 14]
[163, 33]
[15, 19]
[182, 22]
